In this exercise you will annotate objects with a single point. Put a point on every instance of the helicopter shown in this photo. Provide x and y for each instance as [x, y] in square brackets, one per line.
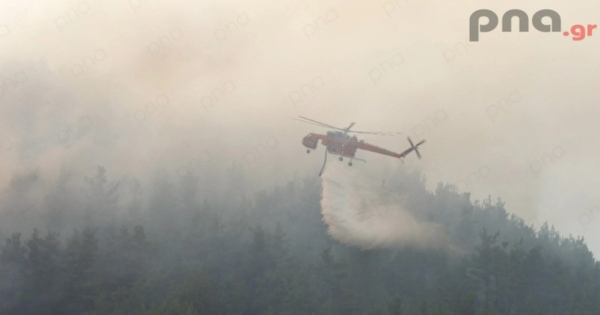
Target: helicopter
[339, 142]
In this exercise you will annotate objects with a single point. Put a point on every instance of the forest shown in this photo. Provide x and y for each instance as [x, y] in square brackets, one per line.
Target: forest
[119, 247]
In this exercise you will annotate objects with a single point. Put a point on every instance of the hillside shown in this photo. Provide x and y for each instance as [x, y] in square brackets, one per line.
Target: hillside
[271, 254]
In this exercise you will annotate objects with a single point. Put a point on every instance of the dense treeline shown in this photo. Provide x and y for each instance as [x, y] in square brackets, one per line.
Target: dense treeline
[272, 255]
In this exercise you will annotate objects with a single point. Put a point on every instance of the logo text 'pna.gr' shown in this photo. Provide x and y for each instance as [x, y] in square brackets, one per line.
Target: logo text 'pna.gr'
[578, 31]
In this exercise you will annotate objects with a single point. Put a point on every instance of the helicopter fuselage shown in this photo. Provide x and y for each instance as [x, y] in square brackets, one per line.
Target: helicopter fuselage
[337, 143]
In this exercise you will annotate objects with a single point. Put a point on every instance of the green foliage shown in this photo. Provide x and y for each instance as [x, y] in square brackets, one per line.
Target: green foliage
[275, 257]
[395, 306]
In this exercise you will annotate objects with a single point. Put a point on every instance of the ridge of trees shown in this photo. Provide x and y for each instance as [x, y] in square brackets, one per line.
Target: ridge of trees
[272, 255]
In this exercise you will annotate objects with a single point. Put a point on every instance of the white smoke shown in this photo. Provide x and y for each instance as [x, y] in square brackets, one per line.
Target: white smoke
[360, 213]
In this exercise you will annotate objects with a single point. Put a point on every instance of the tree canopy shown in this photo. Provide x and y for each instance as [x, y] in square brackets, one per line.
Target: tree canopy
[271, 254]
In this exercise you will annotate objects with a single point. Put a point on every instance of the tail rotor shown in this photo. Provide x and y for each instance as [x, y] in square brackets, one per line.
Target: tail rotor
[415, 147]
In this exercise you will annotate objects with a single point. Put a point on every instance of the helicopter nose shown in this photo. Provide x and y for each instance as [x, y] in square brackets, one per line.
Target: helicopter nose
[309, 142]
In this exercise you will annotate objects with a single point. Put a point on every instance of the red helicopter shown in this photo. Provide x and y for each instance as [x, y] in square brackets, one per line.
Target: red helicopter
[338, 142]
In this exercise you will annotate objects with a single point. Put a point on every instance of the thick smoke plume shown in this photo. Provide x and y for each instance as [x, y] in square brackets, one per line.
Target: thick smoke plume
[359, 212]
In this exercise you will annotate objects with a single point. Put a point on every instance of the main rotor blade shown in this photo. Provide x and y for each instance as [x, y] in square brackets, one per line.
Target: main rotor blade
[377, 133]
[347, 130]
[322, 124]
[311, 123]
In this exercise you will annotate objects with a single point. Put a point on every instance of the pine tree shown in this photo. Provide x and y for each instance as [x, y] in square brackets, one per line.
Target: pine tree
[395, 306]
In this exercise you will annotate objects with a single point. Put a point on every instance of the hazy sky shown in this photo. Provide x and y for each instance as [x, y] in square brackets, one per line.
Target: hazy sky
[142, 84]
